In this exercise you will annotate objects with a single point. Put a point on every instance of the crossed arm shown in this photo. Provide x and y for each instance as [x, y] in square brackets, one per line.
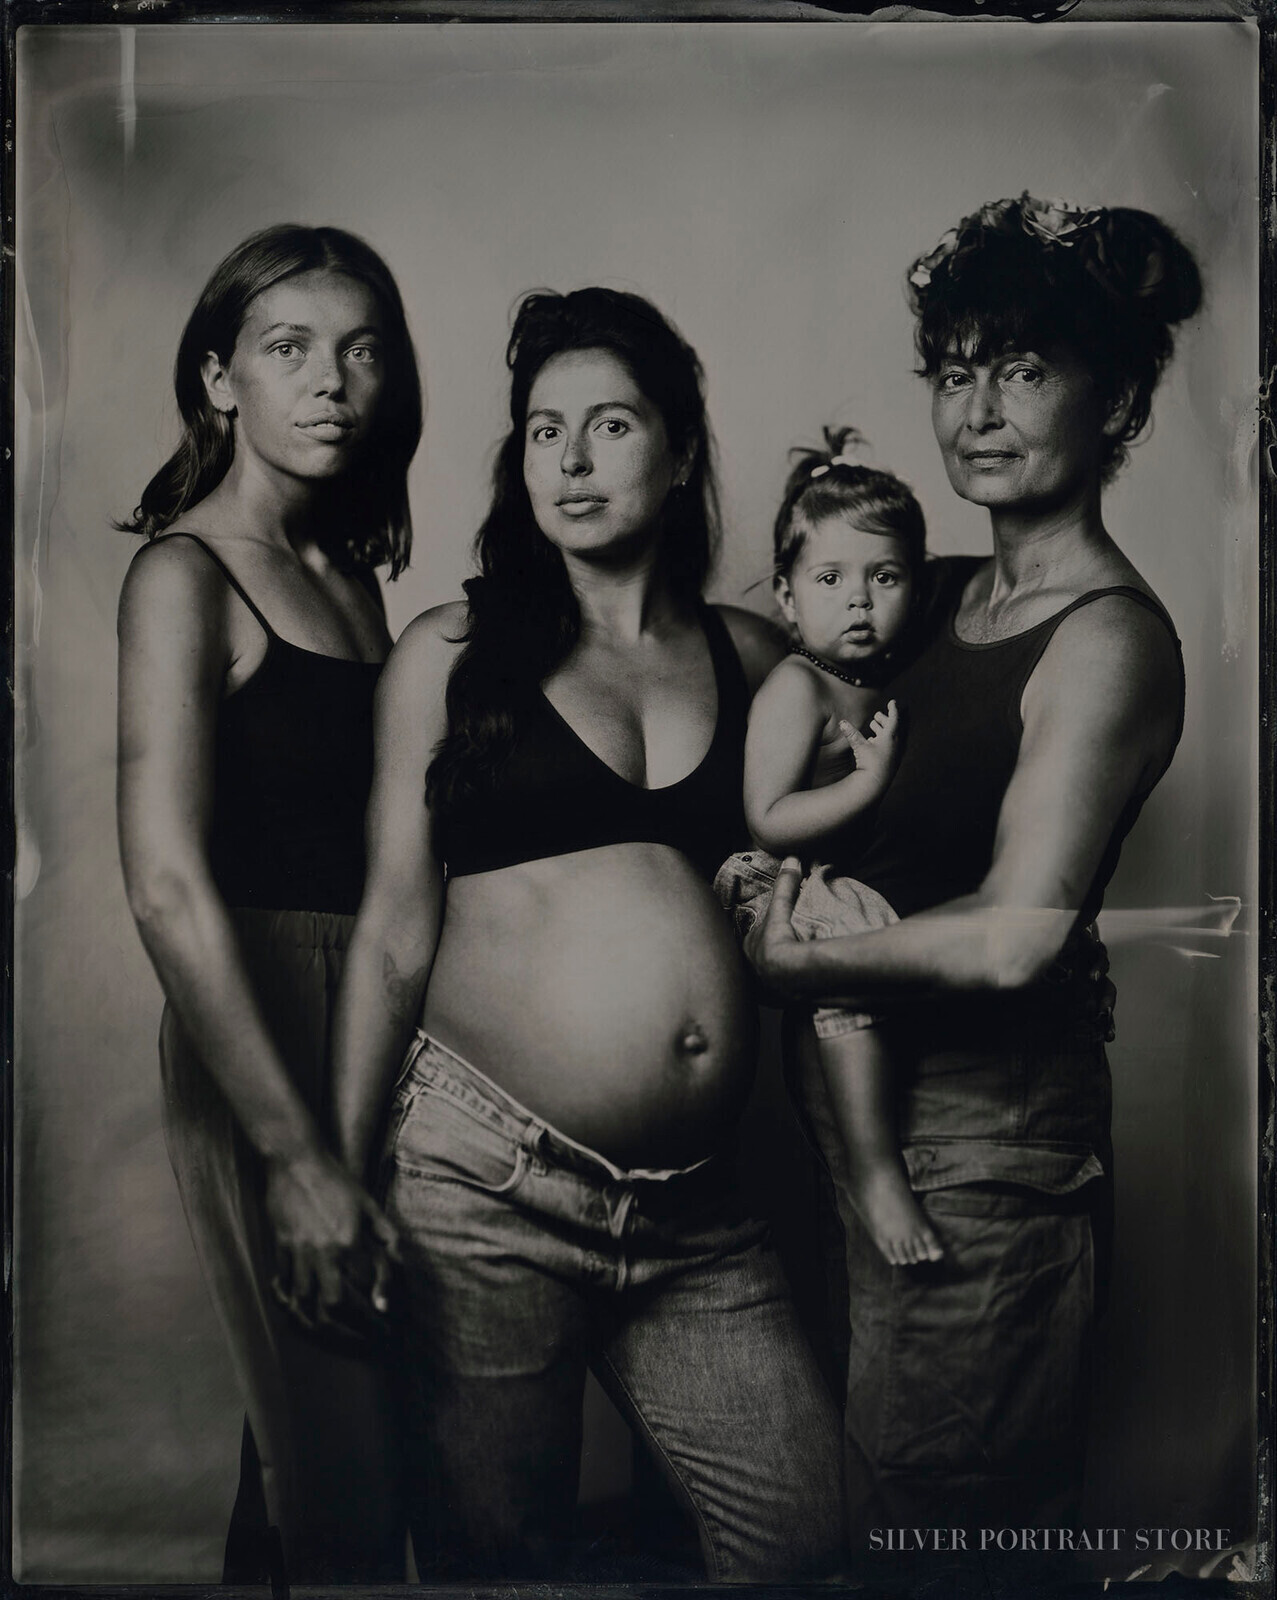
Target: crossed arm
[1100, 715]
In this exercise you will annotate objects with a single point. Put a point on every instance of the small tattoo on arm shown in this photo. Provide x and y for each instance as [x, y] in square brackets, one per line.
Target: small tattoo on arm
[403, 991]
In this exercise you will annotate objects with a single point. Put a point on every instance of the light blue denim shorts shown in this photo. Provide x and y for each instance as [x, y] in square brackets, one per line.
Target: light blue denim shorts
[828, 906]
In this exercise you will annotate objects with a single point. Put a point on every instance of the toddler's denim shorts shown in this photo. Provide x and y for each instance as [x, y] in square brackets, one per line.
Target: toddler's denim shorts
[828, 906]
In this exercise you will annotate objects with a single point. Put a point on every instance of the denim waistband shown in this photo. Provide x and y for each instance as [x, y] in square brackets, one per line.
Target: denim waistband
[449, 1073]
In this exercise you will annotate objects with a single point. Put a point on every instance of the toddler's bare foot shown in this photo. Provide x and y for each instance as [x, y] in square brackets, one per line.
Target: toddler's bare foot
[895, 1220]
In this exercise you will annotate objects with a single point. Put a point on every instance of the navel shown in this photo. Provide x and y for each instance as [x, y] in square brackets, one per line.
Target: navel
[693, 1040]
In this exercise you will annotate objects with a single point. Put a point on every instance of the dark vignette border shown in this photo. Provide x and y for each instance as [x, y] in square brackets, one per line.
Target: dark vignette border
[1267, 884]
[19, 13]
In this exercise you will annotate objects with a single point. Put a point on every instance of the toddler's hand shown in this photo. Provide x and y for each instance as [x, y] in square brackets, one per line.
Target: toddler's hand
[878, 751]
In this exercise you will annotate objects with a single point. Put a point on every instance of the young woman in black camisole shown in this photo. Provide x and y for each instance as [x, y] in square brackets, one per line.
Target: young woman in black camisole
[1042, 705]
[251, 639]
[559, 1148]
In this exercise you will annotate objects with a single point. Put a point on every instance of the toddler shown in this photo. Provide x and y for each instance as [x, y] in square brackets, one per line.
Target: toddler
[821, 749]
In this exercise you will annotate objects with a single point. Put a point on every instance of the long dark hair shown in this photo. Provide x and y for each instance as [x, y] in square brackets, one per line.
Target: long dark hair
[523, 615]
[1108, 283]
[372, 509]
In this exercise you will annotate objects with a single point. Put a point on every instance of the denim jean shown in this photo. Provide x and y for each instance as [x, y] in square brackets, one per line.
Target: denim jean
[528, 1258]
[967, 1378]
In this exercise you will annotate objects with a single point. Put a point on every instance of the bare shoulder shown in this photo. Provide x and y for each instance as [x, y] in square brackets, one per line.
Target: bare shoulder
[427, 648]
[440, 630]
[171, 564]
[171, 585]
[1118, 633]
[792, 689]
[1115, 664]
[760, 643]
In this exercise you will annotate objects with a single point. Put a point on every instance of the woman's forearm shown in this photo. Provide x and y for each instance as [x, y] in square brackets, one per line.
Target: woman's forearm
[383, 985]
[966, 944]
[190, 938]
[1100, 716]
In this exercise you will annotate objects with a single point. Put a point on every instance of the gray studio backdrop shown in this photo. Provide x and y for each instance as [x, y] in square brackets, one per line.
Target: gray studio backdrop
[766, 185]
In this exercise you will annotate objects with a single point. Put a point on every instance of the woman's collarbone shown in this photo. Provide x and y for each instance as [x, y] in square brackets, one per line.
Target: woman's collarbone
[986, 621]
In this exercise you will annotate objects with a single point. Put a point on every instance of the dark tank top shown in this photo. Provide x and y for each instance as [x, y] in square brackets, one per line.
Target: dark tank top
[291, 777]
[932, 835]
[553, 795]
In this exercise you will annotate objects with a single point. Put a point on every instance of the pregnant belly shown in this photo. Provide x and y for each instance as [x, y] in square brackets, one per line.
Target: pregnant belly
[602, 990]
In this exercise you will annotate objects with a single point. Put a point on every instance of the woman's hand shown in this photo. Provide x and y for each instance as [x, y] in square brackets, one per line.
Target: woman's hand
[771, 945]
[332, 1241]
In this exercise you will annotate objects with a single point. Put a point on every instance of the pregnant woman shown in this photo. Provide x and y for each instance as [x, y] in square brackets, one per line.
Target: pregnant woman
[251, 639]
[1041, 711]
[558, 776]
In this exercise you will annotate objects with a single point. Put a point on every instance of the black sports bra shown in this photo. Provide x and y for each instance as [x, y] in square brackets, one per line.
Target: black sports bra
[554, 795]
[292, 774]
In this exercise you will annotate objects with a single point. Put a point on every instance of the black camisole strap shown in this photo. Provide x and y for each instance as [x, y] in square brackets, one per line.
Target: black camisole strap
[1156, 608]
[1129, 592]
[729, 673]
[1039, 636]
[226, 573]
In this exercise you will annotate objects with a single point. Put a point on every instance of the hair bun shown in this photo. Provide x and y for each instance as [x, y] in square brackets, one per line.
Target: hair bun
[1131, 256]
[1135, 257]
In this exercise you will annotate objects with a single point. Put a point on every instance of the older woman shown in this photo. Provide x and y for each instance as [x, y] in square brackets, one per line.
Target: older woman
[1043, 704]
[559, 1151]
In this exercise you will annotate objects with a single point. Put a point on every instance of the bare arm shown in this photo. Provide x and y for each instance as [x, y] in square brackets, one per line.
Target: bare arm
[397, 929]
[1100, 714]
[174, 654]
[786, 722]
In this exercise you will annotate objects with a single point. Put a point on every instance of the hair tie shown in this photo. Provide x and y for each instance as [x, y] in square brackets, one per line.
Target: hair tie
[822, 467]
